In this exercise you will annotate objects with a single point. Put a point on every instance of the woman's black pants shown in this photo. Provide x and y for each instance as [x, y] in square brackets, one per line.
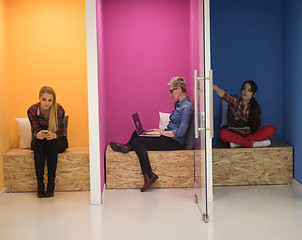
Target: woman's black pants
[142, 144]
[47, 150]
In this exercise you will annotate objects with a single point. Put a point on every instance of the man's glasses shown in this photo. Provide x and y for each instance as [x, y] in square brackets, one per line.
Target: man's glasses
[171, 90]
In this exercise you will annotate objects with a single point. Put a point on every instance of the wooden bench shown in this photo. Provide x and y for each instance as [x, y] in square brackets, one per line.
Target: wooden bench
[72, 170]
[253, 166]
[231, 166]
[174, 168]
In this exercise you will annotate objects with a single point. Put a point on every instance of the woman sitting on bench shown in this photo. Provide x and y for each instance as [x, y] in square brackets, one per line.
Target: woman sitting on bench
[171, 138]
[244, 119]
[46, 119]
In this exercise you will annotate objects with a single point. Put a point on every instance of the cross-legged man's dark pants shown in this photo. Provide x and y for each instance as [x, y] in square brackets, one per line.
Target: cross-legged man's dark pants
[142, 144]
[47, 150]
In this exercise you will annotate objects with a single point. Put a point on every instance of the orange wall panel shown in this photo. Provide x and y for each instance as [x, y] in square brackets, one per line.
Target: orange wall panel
[46, 45]
[4, 122]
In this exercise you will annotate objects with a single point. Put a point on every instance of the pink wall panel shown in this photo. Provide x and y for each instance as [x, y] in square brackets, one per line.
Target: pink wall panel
[141, 46]
[102, 96]
[146, 43]
[198, 40]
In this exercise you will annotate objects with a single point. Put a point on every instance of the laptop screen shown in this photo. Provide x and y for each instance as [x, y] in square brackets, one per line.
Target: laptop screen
[137, 124]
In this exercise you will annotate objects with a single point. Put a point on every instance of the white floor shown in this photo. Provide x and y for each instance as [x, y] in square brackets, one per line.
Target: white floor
[238, 213]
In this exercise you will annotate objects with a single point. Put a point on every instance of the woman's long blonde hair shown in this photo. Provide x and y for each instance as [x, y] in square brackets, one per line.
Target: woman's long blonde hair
[53, 114]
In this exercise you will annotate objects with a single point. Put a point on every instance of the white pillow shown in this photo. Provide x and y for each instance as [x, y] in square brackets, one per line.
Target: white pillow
[24, 131]
[224, 113]
[163, 120]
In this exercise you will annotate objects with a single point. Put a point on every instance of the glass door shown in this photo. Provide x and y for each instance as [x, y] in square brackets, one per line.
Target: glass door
[200, 177]
[203, 95]
[203, 102]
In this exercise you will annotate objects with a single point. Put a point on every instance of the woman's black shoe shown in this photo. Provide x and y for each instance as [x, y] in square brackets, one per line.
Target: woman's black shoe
[49, 194]
[41, 194]
[41, 190]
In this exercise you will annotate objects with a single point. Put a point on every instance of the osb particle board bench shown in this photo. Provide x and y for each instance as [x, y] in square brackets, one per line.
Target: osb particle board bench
[253, 166]
[231, 166]
[72, 170]
[174, 168]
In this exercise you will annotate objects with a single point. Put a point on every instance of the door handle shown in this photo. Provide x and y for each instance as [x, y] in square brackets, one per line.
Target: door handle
[211, 123]
[211, 103]
[196, 103]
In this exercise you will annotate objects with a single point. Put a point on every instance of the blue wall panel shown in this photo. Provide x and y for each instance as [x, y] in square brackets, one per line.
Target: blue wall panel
[292, 16]
[246, 43]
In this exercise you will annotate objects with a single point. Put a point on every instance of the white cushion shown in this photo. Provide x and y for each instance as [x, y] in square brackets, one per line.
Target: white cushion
[224, 113]
[164, 119]
[24, 131]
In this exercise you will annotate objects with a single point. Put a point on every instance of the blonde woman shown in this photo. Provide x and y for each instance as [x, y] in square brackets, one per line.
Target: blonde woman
[47, 123]
[172, 138]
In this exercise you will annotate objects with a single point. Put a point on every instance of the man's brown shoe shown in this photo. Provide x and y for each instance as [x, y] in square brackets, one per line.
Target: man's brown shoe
[148, 181]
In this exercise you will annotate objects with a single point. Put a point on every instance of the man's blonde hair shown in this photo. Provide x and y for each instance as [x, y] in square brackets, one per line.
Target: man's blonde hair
[177, 82]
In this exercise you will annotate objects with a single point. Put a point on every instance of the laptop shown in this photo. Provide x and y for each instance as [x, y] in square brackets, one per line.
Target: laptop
[240, 128]
[139, 127]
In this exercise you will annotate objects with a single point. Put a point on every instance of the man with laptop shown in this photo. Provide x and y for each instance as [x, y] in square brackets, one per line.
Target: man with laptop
[171, 138]
[140, 130]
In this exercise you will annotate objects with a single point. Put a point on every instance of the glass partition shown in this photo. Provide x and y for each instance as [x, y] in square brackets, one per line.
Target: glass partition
[200, 177]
